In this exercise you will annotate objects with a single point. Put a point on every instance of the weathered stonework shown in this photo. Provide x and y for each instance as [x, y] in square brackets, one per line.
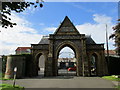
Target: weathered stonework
[83, 46]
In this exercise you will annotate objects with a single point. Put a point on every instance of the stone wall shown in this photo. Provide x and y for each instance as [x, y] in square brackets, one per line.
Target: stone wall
[12, 62]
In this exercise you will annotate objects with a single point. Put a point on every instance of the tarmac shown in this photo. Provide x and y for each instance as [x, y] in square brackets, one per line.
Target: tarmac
[64, 82]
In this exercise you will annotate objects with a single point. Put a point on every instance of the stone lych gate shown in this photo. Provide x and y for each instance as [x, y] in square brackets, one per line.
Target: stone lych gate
[84, 47]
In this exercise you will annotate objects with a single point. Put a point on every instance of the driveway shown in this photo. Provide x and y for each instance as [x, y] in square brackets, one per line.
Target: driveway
[63, 82]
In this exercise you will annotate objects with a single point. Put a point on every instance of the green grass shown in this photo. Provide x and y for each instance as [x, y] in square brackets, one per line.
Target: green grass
[2, 77]
[117, 87]
[10, 87]
[111, 78]
[1, 74]
[5, 79]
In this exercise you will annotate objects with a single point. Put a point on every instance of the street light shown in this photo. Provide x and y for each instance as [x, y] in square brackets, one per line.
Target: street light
[15, 70]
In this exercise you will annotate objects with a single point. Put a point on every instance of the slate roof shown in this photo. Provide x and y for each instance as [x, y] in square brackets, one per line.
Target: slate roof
[44, 40]
[89, 40]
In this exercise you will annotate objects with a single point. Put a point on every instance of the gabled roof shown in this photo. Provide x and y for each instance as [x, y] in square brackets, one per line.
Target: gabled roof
[44, 40]
[89, 40]
[66, 27]
[111, 52]
[22, 48]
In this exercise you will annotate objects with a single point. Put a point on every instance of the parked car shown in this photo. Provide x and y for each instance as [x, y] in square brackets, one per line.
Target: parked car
[72, 69]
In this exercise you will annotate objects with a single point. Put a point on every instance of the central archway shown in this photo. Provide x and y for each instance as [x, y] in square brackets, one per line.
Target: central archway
[66, 62]
[76, 65]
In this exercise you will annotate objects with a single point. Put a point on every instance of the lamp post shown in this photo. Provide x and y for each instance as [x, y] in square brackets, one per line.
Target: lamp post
[15, 70]
[107, 44]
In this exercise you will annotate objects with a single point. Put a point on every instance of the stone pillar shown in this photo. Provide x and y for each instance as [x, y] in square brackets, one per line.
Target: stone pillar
[35, 65]
[79, 69]
[85, 68]
[104, 64]
[48, 65]
[55, 67]
[99, 64]
[89, 65]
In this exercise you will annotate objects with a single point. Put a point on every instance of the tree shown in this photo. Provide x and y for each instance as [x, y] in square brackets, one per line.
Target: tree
[116, 37]
[4, 60]
[18, 7]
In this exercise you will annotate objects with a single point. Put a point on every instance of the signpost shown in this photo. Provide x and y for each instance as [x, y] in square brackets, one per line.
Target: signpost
[15, 70]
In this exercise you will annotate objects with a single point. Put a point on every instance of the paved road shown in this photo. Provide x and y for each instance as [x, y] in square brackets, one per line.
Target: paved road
[65, 72]
[64, 82]
[61, 72]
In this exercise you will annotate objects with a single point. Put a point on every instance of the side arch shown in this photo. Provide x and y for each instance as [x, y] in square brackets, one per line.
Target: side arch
[94, 61]
[37, 62]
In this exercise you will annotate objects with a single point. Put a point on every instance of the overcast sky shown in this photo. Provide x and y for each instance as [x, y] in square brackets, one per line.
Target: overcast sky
[89, 18]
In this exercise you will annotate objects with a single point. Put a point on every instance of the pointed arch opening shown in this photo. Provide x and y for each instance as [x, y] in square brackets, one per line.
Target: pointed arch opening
[41, 64]
[66, 61]
[93, 64]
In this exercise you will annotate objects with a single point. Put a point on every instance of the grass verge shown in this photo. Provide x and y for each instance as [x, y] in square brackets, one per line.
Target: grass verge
[117, 87]
[10, 87]
[111, 78]
[2, 77]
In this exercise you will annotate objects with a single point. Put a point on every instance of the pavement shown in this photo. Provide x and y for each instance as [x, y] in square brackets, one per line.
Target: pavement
[116, 83]
[63, 82]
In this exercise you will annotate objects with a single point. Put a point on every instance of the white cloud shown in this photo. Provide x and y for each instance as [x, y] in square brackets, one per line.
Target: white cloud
[20, 35]
[51, 29]
[97, 30]
[66, 52]
[102, 19]
[83, 8]
[30, 10]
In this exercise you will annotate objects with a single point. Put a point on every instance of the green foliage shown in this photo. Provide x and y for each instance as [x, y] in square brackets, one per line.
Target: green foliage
[113, 78]
[2, 76]
[5, 79]
[18, 7]
[116, 37]
[4, 60]
[10, 87]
